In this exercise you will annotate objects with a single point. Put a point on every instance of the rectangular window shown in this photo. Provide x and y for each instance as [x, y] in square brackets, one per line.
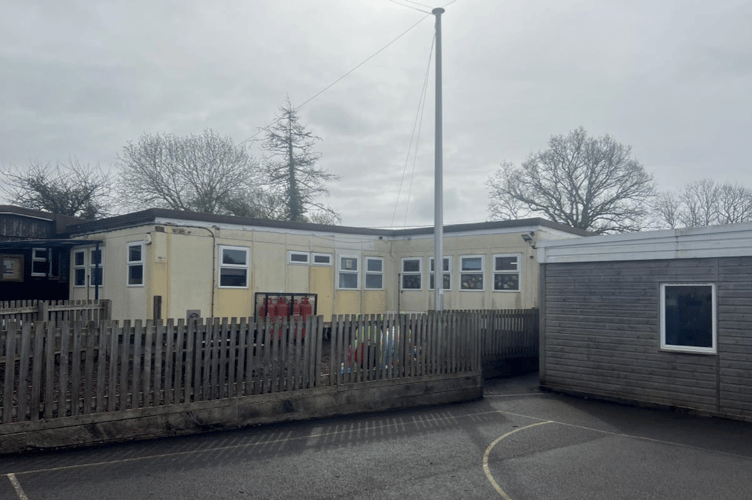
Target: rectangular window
[40, 262]
[348, 272]
[411, 273]
[297, 257]
[506, 273]
[472, 269]
[233, 267]
[136, 264]
[96, 263]
[79, 268]
[447, 273]
[374, 273]
[322, 259]
[688, 317]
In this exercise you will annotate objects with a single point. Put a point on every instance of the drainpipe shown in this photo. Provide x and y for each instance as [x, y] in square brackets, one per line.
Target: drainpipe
[97, 265]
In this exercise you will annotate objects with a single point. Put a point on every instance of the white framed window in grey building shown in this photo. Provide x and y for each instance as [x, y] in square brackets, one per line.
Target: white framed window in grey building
[472, 270]
[135, 262]
[294, 257]
[506, 272]
[688, 317]
[233, 266]
[412, 272]
[348, 272]
[374, 273]
[41, 259]
[447, 273]
[321, 259]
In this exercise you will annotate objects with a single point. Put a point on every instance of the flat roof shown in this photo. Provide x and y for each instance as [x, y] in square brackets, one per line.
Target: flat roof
[731, 240]
[152, 215]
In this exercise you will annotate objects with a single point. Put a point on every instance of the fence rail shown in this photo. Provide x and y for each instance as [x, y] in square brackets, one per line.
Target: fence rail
[60, 369]
[55, 310]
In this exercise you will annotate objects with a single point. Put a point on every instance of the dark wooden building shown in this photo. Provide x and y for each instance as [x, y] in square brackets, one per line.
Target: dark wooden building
[660, 317]
[35, 254]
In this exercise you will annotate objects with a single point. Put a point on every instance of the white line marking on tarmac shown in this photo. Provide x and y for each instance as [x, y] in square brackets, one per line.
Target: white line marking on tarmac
[487, 471]
[17, 486]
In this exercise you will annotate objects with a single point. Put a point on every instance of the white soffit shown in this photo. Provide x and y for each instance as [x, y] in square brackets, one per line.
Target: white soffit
[733, 240]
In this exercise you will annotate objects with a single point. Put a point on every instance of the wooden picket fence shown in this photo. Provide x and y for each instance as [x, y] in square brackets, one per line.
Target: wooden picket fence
[55, 310]
[509, 333]
[60, 369]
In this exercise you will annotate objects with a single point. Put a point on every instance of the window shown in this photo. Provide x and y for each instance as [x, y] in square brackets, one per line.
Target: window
[322, 259]
[411, 273]
[348, 272]
[374, 273]
[40, 262]
[136, 263]
[472, 268]
[688, 317]
[233, 267]
[297, 257]
[96, 263]
[79, 268]
[506, 273]
[447, 273]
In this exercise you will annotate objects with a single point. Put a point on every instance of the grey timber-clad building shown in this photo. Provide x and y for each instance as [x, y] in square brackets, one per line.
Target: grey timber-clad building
[661, 317]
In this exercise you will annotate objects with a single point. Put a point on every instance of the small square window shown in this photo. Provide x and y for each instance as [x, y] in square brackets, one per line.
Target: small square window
[298, 257]
[472, 269]
[506, 273]
[322, 259]
[688, 317]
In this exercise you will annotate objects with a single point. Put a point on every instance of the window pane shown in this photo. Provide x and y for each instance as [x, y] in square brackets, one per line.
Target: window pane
[471, 281]
[78, 258]
[411, 281]
[374, 265]
[80, 277]
[39, 253]
[505, 263]
[40, 267]
[96, 276]
[134, 253]
[374, 281]
[471, 264]
[349, 264]
[447, 281]
[321, 259]
[298, 257]
[96, 257]
[689, 316]
[230, 256]
[233, 277]
[136, 275]
[348, 280]
[506, 282]
[411, 266]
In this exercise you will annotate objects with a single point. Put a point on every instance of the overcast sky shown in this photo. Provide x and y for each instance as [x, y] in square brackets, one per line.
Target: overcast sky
[670, 78]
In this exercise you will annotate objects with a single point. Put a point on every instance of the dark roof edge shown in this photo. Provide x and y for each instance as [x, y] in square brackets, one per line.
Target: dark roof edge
[151, 215]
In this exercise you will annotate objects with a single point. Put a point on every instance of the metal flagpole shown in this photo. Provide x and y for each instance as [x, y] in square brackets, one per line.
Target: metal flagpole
[438, 232]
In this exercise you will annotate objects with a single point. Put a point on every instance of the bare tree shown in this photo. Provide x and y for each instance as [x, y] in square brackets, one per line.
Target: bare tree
[291, 166]
[585, 182]
[704, 203]
[65, 188]
[202, 173]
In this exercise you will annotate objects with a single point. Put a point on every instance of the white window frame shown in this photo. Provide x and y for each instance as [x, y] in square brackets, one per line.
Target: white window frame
[307, 255]
[496, 272]
[373, 273]
[690, 349]
[418, 273]
[246, 266]
[431, 273]
[482, 273]
[93, 266]
[46, 258]
[135, 263]
[348, 271]
[327, 255]
[82, 266]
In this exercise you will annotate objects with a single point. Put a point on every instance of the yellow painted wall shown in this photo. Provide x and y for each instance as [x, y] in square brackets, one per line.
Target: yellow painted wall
[182, 263]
